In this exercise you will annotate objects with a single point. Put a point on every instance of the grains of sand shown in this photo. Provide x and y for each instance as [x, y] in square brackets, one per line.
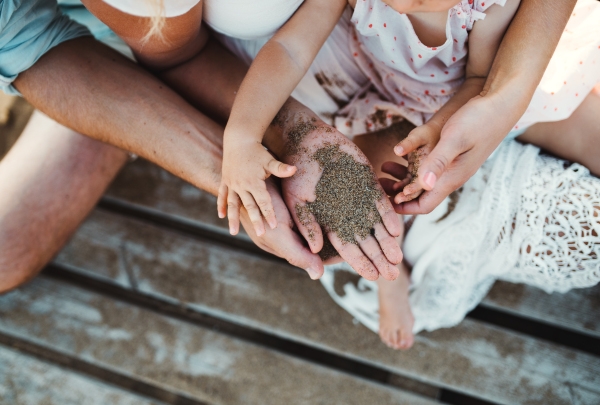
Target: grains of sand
[297, 134]
[345, 195]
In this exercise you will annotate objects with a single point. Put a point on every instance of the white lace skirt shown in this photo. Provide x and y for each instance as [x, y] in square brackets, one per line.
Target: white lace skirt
[523, 218]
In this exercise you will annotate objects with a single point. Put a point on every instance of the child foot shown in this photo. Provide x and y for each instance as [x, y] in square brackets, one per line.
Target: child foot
[395, 317]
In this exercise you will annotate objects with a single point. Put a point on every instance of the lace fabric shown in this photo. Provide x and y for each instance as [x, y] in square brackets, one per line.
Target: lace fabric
[523, 218]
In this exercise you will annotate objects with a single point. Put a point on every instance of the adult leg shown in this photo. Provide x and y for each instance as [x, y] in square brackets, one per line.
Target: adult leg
[576, 139]
[49, 182]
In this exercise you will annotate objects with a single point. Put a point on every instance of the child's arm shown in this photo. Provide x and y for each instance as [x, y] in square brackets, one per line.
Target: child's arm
[484, 41]
[276, 71]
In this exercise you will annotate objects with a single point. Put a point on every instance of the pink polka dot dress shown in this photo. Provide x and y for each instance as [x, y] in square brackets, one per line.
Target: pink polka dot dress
[411, 80]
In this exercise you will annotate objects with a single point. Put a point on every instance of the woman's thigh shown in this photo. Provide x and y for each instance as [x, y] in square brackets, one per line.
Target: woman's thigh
[576, 139]
[49, 182]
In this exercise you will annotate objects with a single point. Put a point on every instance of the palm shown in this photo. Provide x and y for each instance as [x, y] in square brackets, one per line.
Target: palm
[367, 255]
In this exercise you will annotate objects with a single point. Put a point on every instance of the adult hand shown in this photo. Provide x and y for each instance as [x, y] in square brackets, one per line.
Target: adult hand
[466, 141]
[283, 241]
[376, 254]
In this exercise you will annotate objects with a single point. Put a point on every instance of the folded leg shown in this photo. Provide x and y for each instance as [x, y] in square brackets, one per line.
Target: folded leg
[49, 182]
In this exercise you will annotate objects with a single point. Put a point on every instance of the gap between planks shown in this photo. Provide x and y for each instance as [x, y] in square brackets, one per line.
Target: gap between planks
[549, 332]
[261, 338]
[110, 377]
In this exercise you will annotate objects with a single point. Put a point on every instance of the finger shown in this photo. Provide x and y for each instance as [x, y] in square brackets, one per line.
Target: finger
[279, 169]
[395, 170]
[233, 212]
[263, 200]
[388, 185]
[388, 216]
[412, 188]
[355, 257]
[372, 250]
[253, 212]
[298, 255]
[389, 245]
[222, 201]
[399, 186]
[414, 140]
[434, 165]
[426, 203]
[307, 225]
[403, 198]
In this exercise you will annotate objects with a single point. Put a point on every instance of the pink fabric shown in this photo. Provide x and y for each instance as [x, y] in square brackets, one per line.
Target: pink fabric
[411, 80]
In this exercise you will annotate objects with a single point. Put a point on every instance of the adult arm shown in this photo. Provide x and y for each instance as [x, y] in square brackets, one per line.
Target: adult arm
[210, 80]
[516, 72]
[122, 104]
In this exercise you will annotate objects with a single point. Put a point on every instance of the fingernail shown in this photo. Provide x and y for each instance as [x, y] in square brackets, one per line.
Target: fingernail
[221, 215]
[313, 274]
[399, 150]
[396, 186]
[429, 179]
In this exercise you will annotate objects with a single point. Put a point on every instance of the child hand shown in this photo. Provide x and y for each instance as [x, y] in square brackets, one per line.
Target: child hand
[246, 166]
[417, 145]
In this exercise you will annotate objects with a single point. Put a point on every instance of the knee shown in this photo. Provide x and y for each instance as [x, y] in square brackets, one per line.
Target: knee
[16, 271]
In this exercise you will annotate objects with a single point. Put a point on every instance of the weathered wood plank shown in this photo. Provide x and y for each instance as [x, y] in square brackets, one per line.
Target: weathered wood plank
[173, 354]
[578, 310]
[474, 358]
[146, 185]
[25, 380]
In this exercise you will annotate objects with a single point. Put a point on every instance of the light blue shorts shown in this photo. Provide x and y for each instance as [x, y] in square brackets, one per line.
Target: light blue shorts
[30, 28]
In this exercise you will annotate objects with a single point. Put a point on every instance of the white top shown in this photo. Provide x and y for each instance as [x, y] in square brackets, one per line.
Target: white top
[242, 19]
[245, 19]
[149, 8]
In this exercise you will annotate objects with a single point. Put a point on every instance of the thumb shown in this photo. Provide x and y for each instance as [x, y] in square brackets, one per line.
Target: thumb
[279, 169]
[436, 163]
[302, 257]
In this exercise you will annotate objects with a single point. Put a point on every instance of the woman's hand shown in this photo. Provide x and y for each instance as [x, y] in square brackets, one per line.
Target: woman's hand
[375, 254]
[466, 141]
[284, 241]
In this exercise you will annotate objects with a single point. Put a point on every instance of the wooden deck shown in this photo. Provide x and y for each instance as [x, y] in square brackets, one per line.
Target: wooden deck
[153, 302]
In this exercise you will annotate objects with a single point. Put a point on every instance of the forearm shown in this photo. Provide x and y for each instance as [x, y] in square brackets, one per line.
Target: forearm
[214, 91]
[268, 84]
[524, 53]
[469, 89]
[95, 91]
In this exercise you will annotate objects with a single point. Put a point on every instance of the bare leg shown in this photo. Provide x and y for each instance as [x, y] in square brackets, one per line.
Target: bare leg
[395, 317]
[576, 139]
[49, 182]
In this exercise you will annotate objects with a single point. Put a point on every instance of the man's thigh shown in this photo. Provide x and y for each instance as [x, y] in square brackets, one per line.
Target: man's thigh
[49, 182]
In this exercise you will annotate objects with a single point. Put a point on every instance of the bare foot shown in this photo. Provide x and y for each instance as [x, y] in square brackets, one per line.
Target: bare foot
[395, 317]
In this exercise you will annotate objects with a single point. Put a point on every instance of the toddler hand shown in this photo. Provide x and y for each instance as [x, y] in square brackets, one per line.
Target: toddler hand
[417, 145]
[246, 166]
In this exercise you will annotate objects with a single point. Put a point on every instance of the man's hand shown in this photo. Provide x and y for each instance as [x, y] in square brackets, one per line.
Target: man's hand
[466, 141]
[376, 254]
[283, 241]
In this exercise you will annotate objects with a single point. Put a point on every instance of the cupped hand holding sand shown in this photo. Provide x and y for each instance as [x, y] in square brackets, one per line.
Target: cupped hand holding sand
[335, 189]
